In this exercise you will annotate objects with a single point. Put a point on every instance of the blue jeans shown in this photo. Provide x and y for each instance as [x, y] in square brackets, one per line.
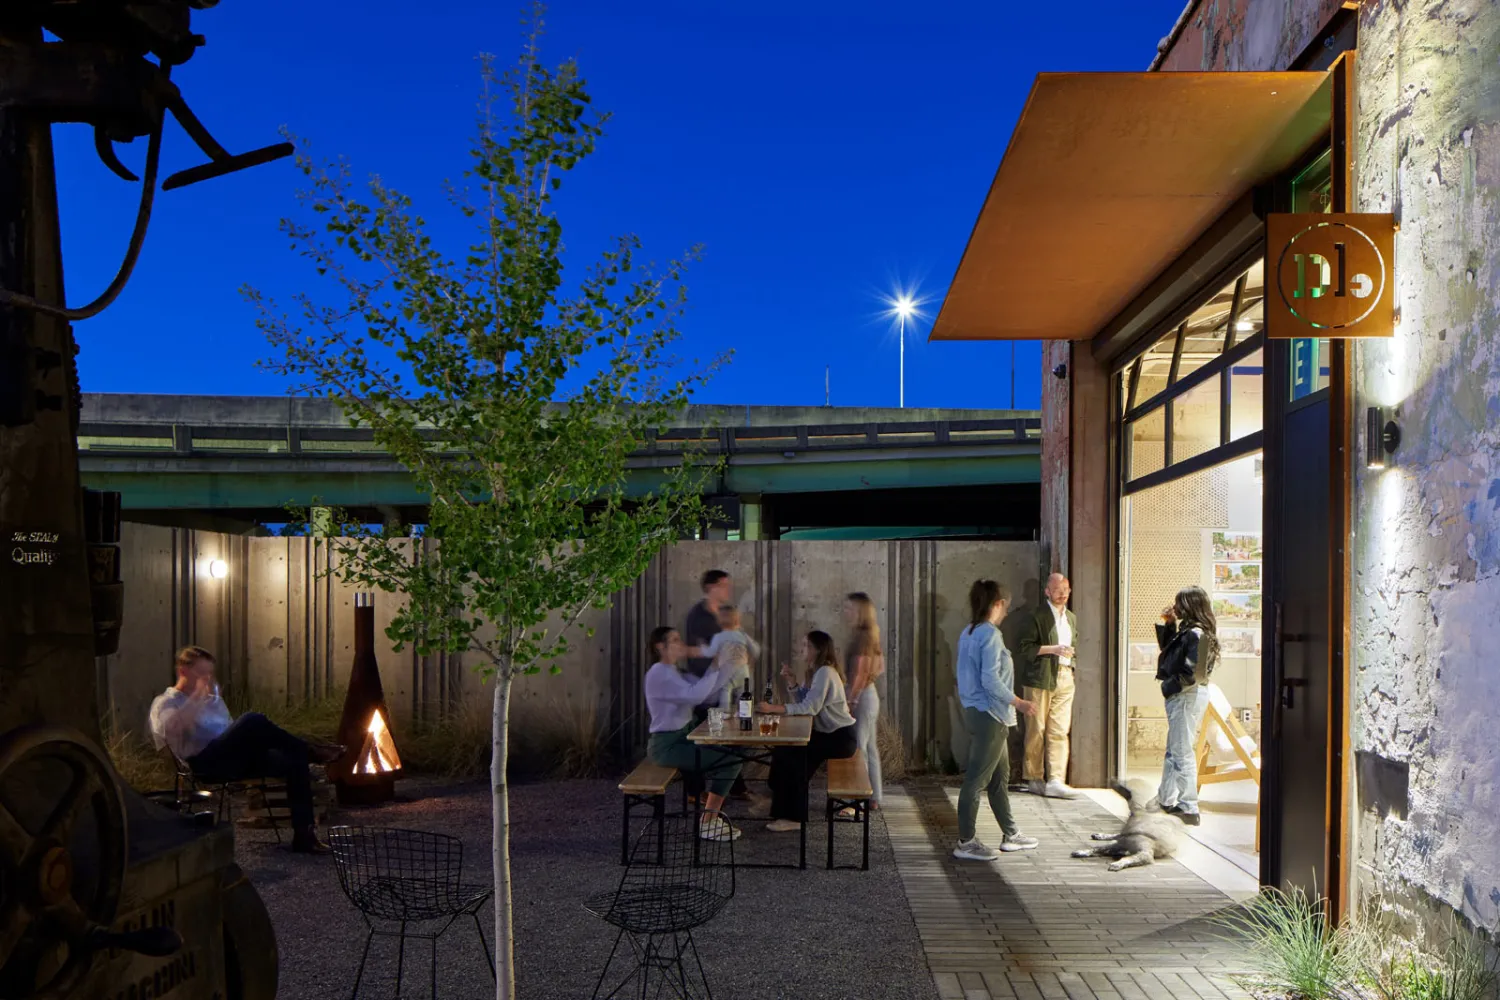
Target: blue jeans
[1179, 772]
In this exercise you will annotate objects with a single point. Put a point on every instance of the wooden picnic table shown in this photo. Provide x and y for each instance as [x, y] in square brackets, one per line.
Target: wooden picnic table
[750, 745]
[794, 731]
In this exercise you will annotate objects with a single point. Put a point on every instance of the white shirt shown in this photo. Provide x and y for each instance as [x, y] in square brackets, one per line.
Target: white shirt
[1064, 631]
[188, 724]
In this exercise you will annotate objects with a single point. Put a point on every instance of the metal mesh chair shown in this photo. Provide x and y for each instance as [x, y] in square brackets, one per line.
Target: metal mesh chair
[190, 786]
[406, 877]
[662, 897]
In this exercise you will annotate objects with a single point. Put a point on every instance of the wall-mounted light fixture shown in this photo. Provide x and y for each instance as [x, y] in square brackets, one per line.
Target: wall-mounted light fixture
[218, 569]
[1382, 437]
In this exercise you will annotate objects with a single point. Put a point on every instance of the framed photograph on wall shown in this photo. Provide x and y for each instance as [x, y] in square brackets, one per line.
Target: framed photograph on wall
[1239, 641]
[1236, 546]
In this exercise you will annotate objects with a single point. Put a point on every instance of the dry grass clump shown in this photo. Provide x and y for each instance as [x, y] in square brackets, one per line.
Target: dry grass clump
[455, 748]
[138, 762]
[894, 765]
[578, 742]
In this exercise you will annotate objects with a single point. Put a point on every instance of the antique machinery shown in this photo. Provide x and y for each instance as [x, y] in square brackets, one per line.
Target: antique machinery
[103, 894]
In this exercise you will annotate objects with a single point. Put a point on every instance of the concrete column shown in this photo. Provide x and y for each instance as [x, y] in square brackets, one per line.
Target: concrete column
[1088, 565]
[750, 517]
[1056, 413]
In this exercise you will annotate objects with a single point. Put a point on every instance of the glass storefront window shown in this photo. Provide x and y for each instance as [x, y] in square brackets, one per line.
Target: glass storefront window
[1246, 402]
[1232, 316]
[1147, 444]
[1196, 421]
[1203, 529]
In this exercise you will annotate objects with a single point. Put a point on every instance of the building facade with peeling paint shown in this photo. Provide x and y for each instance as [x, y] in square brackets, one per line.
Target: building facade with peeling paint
[1338, 496]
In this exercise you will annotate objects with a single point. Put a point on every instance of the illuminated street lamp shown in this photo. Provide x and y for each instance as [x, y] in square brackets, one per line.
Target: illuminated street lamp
[904, 307]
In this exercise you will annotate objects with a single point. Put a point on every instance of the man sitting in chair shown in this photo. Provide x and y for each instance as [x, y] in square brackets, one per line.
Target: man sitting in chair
[192, 720]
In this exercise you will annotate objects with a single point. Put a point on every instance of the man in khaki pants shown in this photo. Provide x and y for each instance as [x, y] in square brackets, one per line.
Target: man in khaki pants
[1047, 638]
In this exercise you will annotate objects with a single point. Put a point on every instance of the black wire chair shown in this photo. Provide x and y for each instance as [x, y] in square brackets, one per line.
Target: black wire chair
[190, 787]
[406, 877]
[662, 897]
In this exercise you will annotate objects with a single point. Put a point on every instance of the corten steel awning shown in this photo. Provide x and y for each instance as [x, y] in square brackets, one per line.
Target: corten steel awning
[1108, 178]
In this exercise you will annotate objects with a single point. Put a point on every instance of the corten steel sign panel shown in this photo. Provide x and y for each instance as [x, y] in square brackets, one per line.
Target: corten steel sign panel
[1332, 275]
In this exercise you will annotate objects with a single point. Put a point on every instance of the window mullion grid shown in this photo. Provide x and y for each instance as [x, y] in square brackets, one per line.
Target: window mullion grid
[1235, 305]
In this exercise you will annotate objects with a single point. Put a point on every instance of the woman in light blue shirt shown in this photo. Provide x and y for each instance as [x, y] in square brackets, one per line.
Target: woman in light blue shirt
[986, 682]
[671, 696]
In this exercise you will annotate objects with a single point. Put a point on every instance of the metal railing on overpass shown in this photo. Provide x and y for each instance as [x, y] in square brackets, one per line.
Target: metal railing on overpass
[130, 439]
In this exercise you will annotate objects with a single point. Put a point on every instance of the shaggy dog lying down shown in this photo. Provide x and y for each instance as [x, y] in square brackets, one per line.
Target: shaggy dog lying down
[1148, 833]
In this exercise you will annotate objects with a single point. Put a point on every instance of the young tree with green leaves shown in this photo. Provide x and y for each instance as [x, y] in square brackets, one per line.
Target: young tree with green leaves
[513, 398]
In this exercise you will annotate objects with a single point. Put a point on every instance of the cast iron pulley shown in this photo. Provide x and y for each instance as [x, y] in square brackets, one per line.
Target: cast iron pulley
[62, 861]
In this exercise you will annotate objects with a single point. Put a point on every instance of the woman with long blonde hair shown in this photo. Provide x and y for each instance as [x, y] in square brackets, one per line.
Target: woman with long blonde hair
[823, 698]
[865, 660]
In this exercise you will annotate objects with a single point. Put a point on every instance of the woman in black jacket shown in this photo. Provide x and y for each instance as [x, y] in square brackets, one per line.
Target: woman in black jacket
[1189, 641]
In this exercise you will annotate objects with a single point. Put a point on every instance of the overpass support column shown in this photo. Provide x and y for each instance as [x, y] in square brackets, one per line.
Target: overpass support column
[750, 517]
[320, 520]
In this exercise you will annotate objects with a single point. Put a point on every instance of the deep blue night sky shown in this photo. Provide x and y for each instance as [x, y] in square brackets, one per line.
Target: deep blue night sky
[823, 152]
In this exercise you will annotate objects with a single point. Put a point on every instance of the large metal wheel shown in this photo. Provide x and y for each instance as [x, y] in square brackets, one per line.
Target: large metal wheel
[250, 963]
[62, 859]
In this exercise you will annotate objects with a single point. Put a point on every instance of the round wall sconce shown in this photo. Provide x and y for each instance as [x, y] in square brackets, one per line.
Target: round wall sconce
[218, 569]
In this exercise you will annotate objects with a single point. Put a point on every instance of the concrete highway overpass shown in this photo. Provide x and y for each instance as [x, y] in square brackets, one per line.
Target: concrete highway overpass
[236, 462]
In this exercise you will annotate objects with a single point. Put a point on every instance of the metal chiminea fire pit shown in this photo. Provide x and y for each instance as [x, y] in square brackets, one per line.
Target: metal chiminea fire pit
[367, 773]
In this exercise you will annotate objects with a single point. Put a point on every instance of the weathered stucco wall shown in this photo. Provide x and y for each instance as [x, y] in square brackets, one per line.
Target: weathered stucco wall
[1426, 557]
[1247, 34]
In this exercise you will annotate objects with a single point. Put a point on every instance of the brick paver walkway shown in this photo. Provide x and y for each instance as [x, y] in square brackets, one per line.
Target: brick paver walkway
[1040, 924]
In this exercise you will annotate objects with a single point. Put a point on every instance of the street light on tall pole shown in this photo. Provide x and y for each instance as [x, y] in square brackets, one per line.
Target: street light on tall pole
[904, 308]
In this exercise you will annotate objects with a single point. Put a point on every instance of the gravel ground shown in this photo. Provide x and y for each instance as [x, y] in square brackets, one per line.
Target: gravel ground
[809, 935]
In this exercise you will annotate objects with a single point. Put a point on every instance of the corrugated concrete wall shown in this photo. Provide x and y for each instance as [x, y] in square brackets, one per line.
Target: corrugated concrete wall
[1426, 588]
[282, 629]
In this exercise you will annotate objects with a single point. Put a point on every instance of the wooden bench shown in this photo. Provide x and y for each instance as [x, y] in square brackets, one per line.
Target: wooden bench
[849, 787]
[646, 786]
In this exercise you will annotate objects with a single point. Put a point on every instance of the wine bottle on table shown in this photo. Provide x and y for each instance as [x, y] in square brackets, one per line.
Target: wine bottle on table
[770, 692]
[747, 707]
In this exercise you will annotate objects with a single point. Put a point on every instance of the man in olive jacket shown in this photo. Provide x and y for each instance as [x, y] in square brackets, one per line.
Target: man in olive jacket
[1047, 638]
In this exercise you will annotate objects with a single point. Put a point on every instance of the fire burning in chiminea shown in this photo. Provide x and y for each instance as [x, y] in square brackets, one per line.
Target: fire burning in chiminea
[367, 774]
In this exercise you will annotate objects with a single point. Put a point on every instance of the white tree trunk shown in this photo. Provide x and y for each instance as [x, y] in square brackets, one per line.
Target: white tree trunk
[505, 966]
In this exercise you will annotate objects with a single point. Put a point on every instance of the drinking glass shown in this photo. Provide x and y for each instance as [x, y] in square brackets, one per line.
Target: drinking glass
[765, 725]
[715, 720]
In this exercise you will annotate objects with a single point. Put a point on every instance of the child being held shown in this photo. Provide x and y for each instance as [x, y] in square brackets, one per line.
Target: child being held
[731, 649]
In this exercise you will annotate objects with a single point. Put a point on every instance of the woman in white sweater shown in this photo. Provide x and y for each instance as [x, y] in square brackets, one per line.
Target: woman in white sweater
[833, 735]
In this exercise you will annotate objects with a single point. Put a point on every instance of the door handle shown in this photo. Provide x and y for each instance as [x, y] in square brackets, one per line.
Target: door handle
[1289, 685]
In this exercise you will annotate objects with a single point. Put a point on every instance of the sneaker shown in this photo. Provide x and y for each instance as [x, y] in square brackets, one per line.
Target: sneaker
[1018, 842]
[1036, 786]
[1188, 818]
[718, 828]
[783, 826]
[973, 850]
[1055, 789]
